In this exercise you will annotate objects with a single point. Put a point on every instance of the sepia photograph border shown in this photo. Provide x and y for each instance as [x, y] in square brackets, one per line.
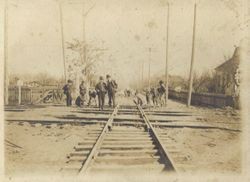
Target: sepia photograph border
[209, 177]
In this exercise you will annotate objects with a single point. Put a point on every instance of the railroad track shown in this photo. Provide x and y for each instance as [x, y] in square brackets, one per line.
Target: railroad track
[118, 148]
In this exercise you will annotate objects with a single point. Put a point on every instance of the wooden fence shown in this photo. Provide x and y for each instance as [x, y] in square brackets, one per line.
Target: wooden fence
[205, 99]
[36, 95]
[14, 94]
[55, 95]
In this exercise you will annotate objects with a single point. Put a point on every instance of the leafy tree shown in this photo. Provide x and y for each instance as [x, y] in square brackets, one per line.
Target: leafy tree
[84, 58]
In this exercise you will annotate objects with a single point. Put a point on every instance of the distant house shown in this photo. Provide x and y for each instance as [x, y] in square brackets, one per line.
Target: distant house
[227, 75]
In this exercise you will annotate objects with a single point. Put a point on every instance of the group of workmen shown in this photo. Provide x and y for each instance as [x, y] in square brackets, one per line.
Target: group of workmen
[154, 95]
[100, 90]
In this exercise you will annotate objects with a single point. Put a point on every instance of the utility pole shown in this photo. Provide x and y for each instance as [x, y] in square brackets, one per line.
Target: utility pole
[192, 61]
[62, 38]
[6, 76]
[142, 70]
[139, 78]
[166, 70]
[149, 67]
[84, 33]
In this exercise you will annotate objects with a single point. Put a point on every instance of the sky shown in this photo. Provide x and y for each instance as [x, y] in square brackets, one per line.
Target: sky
[126, 29]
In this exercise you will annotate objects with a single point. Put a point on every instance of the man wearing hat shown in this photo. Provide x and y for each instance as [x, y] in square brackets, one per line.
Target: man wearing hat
[67, 90]
[112, 88]
[161, 91]
[101, 90]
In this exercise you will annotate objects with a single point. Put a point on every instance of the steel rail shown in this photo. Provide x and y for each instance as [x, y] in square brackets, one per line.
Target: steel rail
[94, 150]
[167, 159]
[134, 112]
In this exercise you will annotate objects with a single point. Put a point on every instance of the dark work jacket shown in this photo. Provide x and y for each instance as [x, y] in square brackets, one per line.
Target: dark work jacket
[101, 87]
[111, 86]
[92, 93]
[161, 89]
[67, 89]
[153, 92]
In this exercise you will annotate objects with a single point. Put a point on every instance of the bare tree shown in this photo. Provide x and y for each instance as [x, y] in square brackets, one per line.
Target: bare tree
[42, 79]
[204, 83]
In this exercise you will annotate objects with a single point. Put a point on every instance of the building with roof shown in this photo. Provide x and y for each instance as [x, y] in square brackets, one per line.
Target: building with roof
[227, 75]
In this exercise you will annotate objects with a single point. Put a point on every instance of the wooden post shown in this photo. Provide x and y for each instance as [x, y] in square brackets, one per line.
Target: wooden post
[192, 62]
[19, 84]
[84, 33]
[6, 74]
[62, 38]
[166, 70]
[149, 68]
[142, 71]
[19, 94]
[31, 96]
[139, 78]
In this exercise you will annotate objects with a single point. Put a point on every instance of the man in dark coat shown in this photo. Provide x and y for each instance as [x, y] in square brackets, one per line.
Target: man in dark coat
[148, 96]
[161, 91]
[154, 94]
[67, 90]
[101, 89]
[112, 88]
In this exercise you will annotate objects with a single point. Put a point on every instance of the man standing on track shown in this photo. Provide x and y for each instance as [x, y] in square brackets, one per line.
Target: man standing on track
[161, 91]
[101, 89]
[154, 94]
[112, 88]
[148, 96]
[67, 90]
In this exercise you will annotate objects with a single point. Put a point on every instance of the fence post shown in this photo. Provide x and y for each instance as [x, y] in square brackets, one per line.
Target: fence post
[30, 96]
[19, 84]
[19, 94]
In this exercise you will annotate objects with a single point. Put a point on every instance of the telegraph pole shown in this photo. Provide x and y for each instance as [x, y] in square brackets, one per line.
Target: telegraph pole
[84, 33]
[139, 77]
[6, 76]
[62, 38]
[192, 61]
[142, 70]
[166, 70]
[149, 67]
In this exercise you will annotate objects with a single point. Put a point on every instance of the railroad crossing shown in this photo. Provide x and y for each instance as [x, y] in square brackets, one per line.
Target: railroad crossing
[127, 139]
